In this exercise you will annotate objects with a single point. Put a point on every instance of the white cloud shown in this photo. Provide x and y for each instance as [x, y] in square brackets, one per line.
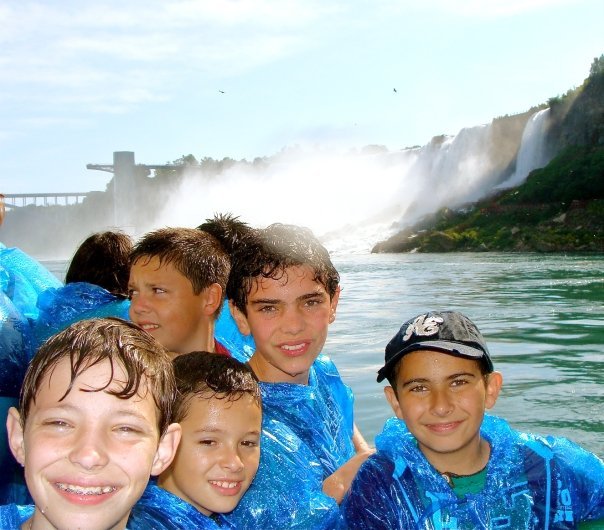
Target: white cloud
[84, 48]
[473, 8]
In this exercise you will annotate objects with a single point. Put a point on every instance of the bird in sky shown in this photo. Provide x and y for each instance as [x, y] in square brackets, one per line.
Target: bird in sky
[221, 91]
[395, 91]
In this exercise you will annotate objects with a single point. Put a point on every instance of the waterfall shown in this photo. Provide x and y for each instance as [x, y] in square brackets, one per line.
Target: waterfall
[354, 199]
[533, 152]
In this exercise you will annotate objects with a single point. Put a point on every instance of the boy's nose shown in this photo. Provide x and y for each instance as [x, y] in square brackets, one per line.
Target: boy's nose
[138, 304]
[88, 451]
[441, 404]
[231, 460]
[293, 321]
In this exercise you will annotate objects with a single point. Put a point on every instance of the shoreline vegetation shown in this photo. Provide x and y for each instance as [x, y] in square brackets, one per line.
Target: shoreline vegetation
[559, 208]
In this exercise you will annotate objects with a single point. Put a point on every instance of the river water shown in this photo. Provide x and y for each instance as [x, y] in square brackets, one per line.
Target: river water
[542, 317]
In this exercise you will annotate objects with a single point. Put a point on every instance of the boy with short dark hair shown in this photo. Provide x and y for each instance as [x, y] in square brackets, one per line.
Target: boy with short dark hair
[444, 464]
[283, 290]
[219, 410]
[93, 424]
[177, 282]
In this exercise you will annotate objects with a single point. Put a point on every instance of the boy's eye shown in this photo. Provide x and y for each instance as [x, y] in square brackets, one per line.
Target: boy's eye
[127, 429]
[459, 382]
[207, 442]
[267, 309]
[57, 424]
[314, 301]
[158, 290]
[250, 443]
[131, 293]
[418, 388]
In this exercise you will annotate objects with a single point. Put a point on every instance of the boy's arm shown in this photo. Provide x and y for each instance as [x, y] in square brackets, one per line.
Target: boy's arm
[360, 444]
[338, 483]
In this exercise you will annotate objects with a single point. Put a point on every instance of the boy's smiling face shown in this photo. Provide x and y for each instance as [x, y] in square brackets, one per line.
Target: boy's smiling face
[88, 456]
[163, 304]
[218, 455]
[442, 399]
[288, 318]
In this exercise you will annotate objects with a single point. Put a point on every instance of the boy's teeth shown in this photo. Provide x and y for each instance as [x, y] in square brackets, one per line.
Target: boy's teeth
[82, 490]
[292, 348]
[224, 484]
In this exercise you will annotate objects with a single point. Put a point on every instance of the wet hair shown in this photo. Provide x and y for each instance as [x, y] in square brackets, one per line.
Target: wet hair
[87, 343]
[211, 375]
[228, 229]
[268, 253]
[103, 259]
[196, 254]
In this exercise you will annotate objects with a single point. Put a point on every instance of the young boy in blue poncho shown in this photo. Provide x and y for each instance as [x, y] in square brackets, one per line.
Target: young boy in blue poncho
[284, 290]
[93, 425]
[444, 464]
[219, 410]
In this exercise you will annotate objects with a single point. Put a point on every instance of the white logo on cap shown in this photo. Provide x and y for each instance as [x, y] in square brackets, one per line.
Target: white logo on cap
[423, 326]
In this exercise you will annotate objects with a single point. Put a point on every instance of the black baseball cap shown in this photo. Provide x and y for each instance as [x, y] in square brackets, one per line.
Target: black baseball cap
[444, 331]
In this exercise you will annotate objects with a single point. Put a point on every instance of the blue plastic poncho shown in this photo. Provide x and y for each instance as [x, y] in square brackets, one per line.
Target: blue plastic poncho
[16, 347]
[531, 482]
[159, 509]
[320, 413]
[13, 516]
[61, 306]
[307, 435]
[23, 279]
[241, 347]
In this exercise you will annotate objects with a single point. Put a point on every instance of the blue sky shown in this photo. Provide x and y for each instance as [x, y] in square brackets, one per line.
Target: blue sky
[243, 79]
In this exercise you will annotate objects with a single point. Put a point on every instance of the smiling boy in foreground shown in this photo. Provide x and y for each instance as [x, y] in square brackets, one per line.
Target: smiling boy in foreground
[92, 426]
[444, 464]
[219, 410]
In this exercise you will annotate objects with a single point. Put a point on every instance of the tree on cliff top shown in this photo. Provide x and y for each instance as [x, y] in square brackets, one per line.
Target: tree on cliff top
[597, 67]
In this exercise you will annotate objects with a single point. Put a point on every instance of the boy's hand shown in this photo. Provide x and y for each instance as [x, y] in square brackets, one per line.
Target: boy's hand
[337, 484]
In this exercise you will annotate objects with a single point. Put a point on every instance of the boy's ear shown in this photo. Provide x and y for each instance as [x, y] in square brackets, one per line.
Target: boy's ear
[393, 400]
[166, 450]
[493, 386]
[240, 319]
[334, 304]
[212, 299]
[15, 435]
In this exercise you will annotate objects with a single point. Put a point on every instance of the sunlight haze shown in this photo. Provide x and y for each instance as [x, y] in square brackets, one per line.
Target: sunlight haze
[248, 78]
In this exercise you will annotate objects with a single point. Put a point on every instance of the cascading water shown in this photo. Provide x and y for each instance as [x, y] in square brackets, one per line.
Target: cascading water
[533, 151]
[352, 200]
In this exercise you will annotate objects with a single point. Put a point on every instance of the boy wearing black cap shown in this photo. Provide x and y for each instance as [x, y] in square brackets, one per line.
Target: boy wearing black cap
[446, 465]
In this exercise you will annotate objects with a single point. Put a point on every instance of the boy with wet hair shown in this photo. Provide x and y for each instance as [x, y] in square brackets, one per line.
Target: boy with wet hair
[443, 463]
[177, 282]
[283, 291]
[93, 425]
[219, 410]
